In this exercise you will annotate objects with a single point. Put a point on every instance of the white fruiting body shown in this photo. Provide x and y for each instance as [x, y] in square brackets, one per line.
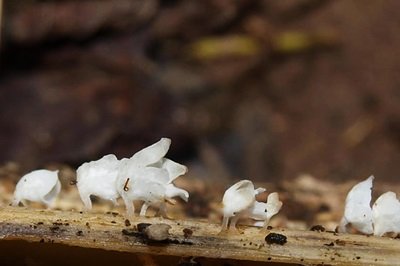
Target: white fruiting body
[239, 202]
[263, 211]
[357, 210]
[386, 214]
[38, 186]
[98, 178]
[148, 176]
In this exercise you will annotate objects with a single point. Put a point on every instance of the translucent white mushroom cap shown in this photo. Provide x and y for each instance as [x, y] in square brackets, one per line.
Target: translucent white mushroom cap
[174, 169]
[274, 205]
[148, 156]
[39, 186]
[99, 177]
[386, 214]
[357, 210]
[151, 154]
[238, 198]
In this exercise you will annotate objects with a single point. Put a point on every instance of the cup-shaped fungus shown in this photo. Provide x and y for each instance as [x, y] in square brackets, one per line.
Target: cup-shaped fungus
[98, 178]
[357, 210]
[263, 211]
[38, 186]
[148, 176]
[239, 201]
[386, 214]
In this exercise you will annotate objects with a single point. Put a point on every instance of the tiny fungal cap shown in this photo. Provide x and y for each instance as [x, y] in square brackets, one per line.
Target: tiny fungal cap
[238, 198]
[38, 186]
[274, 205]
[357, 208]
[386, 214]
[98, 178]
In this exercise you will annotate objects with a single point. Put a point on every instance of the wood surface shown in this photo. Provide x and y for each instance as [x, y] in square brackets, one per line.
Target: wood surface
[112, 231]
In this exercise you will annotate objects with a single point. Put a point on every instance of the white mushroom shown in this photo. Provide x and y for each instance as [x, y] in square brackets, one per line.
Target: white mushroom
[263, 211]
[357, 210]
[236, 200]
[98, 178]
[142, 185]
[386, 214]
[148, 176]
[38, 186]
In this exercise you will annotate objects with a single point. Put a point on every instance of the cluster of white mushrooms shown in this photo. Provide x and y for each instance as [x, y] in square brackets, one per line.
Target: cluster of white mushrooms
[148, 177]
[382, 218]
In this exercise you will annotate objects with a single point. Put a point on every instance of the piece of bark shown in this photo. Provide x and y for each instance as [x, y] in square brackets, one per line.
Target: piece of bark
[109, 231]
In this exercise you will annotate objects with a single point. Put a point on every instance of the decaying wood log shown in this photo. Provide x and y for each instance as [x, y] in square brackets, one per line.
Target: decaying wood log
[112, 231]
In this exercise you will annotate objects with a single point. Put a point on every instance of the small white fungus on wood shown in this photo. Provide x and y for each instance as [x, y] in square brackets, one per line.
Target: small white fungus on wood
[148, 176]
[386, 214]
[239, 202]
[357, 211]
[98, 178]
[38, 186]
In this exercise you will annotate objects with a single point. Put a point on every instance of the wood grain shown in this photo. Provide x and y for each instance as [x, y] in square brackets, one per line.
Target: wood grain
[111, 231]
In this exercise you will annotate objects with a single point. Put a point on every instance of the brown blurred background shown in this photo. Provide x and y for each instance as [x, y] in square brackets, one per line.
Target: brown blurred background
[264, 90]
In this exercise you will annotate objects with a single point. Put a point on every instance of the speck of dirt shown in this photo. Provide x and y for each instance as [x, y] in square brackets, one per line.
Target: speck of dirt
[79, 233]
[269, 227]
[330, 244]
[358, 257]
[318, 228]
[39, 223]
[142, 226]
[81, 212]
[269, 258]
[127, 223]
[87, 224]
[274, 238]
[113, 222]
[187, 232]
